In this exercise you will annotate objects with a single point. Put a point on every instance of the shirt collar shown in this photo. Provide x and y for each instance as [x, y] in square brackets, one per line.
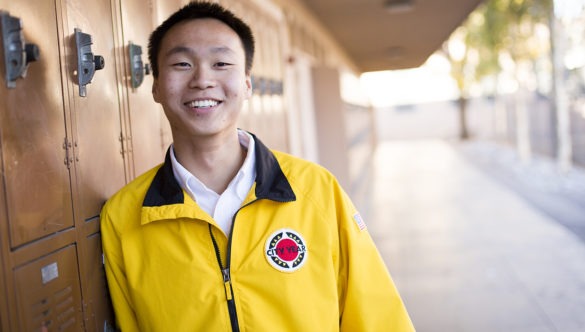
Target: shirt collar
[242, 182]
[247, 174]
[271, 183]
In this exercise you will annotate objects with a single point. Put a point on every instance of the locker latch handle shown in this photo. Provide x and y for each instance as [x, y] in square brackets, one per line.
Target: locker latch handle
[87, 63]
[17, 53]
[137, 67]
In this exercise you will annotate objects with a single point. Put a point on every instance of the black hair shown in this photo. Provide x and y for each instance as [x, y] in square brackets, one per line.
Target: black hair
[198, 10]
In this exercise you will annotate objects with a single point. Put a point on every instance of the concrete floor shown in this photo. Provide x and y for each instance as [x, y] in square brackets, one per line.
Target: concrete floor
[468, 253]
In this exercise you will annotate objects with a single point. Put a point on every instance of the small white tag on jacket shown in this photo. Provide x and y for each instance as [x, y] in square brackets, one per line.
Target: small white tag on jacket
[359, 221]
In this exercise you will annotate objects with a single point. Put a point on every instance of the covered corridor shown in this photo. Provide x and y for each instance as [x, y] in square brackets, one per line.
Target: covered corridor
[468, 252]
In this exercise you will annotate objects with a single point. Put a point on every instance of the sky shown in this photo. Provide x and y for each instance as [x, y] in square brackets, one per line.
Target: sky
[569, 9]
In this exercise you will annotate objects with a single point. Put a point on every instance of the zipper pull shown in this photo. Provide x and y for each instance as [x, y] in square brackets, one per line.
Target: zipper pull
[227, 283]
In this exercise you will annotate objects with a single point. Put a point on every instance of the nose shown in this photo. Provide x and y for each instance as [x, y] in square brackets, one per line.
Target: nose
[202, 78]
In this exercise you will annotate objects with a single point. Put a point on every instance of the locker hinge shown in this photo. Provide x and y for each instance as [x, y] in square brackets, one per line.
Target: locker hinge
[125, 144]
[121, 139]
[68, 153]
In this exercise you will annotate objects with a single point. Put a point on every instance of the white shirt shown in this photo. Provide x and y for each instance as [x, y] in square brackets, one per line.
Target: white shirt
[220, 207]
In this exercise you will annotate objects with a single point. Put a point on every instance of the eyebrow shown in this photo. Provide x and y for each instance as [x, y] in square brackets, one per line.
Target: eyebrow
[184, 49]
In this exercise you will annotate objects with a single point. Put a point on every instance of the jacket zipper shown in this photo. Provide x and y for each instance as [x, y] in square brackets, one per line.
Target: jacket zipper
[227, 283]
[225, 271]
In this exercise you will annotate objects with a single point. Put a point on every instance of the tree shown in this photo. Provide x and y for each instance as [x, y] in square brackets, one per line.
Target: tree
[456, 51]
[497, 29]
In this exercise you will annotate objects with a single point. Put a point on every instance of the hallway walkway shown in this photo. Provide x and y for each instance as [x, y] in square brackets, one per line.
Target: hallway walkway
[467, 253]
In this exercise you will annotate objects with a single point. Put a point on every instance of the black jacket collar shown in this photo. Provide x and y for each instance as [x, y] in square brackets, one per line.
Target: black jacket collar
[271, 183]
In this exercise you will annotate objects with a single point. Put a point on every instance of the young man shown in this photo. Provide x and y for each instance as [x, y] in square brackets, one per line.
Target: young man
[227, 235]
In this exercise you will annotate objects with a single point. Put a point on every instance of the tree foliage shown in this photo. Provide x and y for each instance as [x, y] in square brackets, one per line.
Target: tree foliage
[497, 29]
[505, 26]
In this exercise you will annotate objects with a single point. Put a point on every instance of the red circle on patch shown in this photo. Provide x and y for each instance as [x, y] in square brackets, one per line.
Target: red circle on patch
[287, 250]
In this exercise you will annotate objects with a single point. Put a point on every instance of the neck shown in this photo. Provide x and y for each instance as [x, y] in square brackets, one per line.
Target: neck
[214, 162]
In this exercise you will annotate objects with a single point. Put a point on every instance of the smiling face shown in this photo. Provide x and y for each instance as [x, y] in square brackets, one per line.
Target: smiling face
[202, 82]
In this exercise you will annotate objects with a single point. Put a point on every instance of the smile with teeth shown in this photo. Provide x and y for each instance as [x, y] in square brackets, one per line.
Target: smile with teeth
[202, 103]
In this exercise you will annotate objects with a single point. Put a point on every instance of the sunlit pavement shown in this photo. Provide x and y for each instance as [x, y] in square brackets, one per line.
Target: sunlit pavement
[467, 252]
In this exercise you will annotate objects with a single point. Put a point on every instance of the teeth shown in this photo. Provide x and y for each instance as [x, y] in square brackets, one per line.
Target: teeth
[203, 103]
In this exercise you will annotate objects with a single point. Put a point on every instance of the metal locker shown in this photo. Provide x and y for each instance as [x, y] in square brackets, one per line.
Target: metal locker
[32, 132]
[99, 315]
[95, 112]
[149, 131]
[60, 132]
[48, 290]
[36, 199]
[95, 90]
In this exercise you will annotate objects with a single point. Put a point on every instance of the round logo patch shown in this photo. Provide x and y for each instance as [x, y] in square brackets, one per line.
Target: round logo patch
[286, 250]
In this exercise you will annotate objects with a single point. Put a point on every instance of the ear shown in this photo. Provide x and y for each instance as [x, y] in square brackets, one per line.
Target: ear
[249, 89]
[155, 90]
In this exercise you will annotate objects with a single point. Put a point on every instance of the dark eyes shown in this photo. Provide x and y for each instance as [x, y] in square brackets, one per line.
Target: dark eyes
[182, 64]
[188, 65]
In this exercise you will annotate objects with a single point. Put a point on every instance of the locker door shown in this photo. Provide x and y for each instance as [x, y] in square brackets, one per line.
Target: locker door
[97, 130]
[99, 313]
[48, 293]
[36, 215]
[97, 140]
[32, 133]
[150, 131]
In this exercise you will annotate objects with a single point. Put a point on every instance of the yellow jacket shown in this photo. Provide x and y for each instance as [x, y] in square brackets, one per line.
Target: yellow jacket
[299, 257]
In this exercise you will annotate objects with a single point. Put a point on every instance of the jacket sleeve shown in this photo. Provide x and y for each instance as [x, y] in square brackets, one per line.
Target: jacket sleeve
[117, 284]
[369, 298]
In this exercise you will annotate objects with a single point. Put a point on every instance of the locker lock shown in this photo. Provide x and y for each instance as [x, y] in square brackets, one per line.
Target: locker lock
[17, 53]
[87, 62]
[137, 67]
